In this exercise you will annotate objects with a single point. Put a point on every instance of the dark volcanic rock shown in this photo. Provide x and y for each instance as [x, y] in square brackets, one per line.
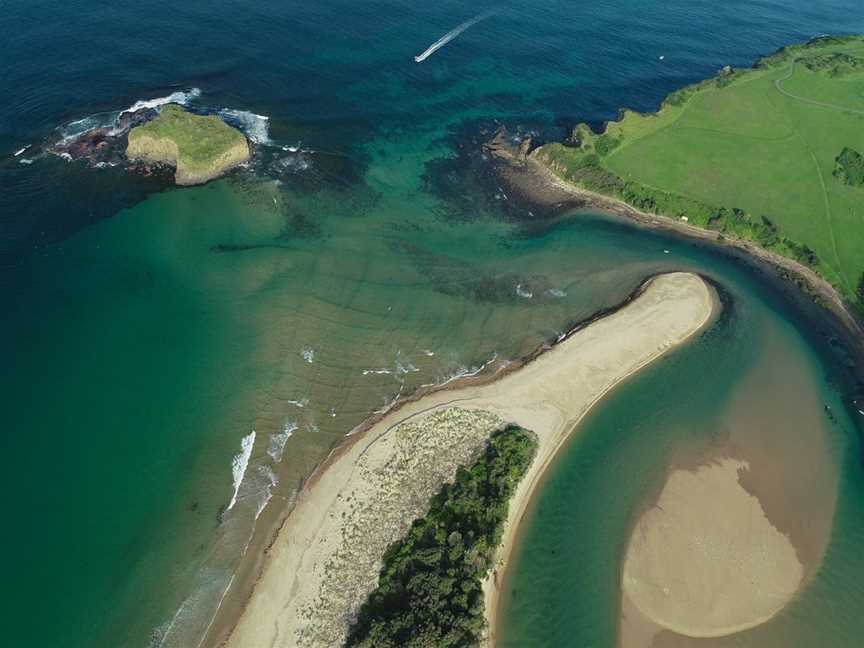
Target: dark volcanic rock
[99, 146]
[129, 120]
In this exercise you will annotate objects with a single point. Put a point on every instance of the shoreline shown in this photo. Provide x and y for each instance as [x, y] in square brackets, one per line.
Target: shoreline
[537, 184]
[478, 393]
[533, 479]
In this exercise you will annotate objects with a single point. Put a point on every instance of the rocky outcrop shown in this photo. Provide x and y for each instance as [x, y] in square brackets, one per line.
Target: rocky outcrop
[199, 147]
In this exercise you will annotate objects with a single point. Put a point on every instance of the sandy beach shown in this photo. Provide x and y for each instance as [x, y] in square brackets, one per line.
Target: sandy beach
[326, 557]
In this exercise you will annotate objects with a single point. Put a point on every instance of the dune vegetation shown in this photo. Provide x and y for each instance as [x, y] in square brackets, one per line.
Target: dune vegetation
[201, 147]
[769, 154]
[430, 589]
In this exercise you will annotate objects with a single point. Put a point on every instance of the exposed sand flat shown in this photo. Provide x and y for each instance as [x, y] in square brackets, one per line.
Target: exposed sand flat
[326, 558]
[705, 561]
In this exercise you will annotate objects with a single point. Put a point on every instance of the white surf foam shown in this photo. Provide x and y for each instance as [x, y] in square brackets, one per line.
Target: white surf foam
[303, 402]
[449, 36]
[276, 446]
[78, 127]
[369, 372]
[404, 366]
[270, 482]
[556, 292]
[239, 465]
[182, 97]
[523, 292]
[256, 127]
[463, 372]
[25, 161]
[108, 119]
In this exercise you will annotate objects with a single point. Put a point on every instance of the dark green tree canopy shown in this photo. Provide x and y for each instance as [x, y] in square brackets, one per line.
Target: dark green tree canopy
[429, 592]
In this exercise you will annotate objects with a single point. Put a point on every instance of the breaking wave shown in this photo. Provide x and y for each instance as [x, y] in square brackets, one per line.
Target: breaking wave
[182, 97]
[523, 292]
[108, 119]
[276, 446]
[256, 127]
[239, 465]
[269, 476]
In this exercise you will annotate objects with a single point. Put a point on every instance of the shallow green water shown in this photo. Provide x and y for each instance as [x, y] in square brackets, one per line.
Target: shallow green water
[207, 299]
[750, 387]
[145, 335]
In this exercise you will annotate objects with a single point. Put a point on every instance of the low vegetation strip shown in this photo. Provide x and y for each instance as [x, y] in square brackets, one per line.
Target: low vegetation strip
[736, 154]
[429, 592]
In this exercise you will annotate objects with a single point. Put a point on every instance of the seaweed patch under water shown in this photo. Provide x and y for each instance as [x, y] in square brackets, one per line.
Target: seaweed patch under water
[457, 278]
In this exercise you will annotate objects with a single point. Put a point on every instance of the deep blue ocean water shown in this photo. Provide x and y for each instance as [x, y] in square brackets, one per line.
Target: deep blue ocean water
[135, 358]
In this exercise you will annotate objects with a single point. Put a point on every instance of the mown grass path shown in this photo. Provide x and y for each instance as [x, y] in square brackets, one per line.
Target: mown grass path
[813, 102]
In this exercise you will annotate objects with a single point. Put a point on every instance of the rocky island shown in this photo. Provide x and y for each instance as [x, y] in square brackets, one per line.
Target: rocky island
[200, 147]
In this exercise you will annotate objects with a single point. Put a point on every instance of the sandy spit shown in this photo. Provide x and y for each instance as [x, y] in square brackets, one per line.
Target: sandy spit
[325, 559]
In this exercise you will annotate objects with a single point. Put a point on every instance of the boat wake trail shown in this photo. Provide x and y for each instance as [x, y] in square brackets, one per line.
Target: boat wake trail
[453, 33]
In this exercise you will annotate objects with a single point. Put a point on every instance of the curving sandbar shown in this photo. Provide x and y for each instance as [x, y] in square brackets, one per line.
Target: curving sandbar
[706, 561]
[326, 558]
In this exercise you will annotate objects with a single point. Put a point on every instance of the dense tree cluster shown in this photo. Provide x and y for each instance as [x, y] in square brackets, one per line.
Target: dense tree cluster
[429, 592]
[849, 167]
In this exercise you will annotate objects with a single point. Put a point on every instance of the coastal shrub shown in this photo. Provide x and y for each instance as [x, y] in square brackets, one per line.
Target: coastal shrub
[587, 171]
[606, 144]
[679, 97]
[802, 253]
[860, 291]
[429, 590]
[835, 64]
[849, 167]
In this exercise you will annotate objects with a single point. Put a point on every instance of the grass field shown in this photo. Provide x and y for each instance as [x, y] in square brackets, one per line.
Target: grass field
[762, 143]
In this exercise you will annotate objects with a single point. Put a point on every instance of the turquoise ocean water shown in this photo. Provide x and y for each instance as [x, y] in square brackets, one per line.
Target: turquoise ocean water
[148, 332]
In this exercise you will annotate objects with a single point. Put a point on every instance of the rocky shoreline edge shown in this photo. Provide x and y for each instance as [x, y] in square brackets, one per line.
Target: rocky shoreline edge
[531, 181]
[147, 156]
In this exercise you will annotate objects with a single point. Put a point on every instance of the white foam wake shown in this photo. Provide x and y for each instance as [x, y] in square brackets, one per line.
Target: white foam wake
[239, 465]
[453, 33]
[182, 97]
[256, 127]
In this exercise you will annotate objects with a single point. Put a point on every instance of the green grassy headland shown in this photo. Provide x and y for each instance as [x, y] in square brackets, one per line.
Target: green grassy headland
[201, 147]
[429, 591]
[770, 154]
